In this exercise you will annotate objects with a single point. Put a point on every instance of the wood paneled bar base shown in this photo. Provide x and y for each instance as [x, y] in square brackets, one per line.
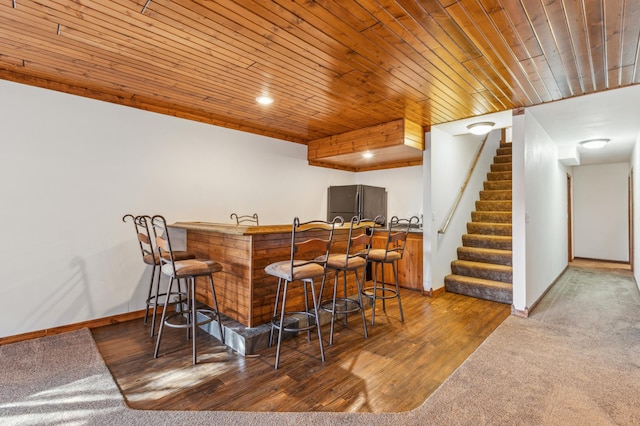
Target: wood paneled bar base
[245, 292]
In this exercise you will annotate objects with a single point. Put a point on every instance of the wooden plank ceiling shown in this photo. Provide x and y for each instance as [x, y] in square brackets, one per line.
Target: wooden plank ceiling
[331, 66]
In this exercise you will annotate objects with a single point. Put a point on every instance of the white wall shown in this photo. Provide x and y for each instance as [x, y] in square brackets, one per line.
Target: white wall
[451, 158]
[545, 215]
[601, 229]
[72, 167]
[404, 189]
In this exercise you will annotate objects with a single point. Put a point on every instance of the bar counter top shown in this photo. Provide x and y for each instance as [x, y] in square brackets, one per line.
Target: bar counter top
[232, 229]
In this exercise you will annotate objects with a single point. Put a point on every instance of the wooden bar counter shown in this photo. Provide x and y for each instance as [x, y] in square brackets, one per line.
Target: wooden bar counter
[245, 292]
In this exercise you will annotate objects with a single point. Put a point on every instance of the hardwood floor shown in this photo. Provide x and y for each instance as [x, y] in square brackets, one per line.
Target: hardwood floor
[394, 370]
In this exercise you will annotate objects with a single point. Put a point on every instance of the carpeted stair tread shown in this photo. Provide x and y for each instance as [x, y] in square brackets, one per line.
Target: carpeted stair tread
[487, 271]
[479, 288]
[490, 185]
[501, 167]
[491, 216]
[485, 255]
[493, 205]
[496, 194]
[501, 242]
[503, 158]
[499, 176]
[506, 150]
[489, 228]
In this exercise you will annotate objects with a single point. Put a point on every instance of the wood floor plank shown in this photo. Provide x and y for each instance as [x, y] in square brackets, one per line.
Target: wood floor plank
[395, 369]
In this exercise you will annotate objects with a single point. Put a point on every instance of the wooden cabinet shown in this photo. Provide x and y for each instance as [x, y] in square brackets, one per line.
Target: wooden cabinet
[409, 267]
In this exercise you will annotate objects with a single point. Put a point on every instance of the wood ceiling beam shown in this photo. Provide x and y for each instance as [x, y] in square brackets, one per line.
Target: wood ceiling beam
[398, 142]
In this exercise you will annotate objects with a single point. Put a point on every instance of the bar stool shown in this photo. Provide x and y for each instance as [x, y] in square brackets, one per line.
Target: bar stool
[187, 269]
[150, 257]
[310, 245]
[352, 260]
[397, 231]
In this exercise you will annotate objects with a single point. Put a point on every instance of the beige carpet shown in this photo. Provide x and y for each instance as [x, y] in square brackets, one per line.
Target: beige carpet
[575, 361]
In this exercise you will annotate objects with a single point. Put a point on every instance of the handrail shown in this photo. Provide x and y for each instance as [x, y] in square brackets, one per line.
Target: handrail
[444, 227]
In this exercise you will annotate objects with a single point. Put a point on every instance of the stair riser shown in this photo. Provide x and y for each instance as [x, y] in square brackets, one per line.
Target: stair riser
[493, 206]
[494, 259]
[489, 228]
[495, 195]
[484, 273]
[480, 241]
[497, 295]
[493, 217]
[504, 151]
[501, 167]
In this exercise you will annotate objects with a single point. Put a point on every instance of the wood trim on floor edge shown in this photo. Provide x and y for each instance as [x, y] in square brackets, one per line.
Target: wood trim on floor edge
[435, 292]
[114, 319]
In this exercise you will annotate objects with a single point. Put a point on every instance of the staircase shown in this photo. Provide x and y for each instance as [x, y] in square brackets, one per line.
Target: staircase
[484, 269]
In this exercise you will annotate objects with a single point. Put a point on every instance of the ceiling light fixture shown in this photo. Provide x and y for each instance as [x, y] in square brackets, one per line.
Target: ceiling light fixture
[481, 128]
[367, 155]
[264, 100]
[594, 143]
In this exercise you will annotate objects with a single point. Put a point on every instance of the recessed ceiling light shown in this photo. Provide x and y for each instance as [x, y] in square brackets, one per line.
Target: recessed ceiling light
[594, 143]
[264, 100]
[481, 128]
[367, 154]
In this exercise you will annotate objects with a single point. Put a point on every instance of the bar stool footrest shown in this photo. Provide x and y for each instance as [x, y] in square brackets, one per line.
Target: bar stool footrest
[347, 306]
[152, 301]
[383, 293]
[210, 315]
[275, 321]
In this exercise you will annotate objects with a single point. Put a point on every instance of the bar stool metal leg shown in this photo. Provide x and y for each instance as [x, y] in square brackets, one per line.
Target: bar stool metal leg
[359, 285]
[317, 319]
[151, 291]
[395, 274]
[162, 321]
[215, 306]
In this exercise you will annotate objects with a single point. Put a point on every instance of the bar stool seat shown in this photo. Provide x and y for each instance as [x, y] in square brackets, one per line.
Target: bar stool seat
[381, 255]
[301, 270]
[177, 255]
[338, 261]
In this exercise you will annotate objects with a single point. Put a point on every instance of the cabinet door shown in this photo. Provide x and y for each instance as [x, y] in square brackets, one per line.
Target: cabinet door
[410, 267]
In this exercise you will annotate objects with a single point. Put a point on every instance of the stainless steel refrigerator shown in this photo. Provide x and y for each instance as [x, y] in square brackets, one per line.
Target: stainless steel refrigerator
[363, 201]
